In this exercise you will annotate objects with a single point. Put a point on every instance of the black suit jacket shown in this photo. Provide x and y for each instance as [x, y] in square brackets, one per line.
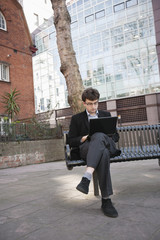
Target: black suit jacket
[79, 127]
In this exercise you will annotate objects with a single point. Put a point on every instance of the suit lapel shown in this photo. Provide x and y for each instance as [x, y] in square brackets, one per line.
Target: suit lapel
[86, 123]
[99, 114]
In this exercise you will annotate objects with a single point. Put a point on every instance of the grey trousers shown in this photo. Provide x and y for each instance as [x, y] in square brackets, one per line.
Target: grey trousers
[97, 156]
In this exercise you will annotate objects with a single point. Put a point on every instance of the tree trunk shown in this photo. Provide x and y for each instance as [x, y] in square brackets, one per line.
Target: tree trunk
[69, 66]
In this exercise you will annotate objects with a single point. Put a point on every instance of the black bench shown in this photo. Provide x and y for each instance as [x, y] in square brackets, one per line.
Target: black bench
[136, 143]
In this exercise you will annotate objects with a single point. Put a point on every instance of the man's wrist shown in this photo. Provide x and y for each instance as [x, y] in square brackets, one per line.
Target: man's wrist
[84, 138]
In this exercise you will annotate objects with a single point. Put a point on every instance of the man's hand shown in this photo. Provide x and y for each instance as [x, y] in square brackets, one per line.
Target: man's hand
[84, 138]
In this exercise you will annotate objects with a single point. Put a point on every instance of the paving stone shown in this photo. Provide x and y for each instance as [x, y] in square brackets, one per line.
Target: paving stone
[14, 230]
[41, 202]
[122, 230]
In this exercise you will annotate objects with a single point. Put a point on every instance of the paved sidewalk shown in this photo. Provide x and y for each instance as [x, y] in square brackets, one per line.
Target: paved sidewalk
[40, 202]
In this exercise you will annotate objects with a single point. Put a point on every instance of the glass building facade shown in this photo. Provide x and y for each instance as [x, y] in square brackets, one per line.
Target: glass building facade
[114, 41]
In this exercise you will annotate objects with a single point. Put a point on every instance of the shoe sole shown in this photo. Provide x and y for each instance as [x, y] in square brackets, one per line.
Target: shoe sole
[81, 190]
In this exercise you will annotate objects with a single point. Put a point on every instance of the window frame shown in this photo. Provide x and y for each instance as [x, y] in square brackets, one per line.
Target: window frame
[97, 13]
[114, 7]
[87, 17]
[74, 24]
[3, 21]
[36, 18]
[131, 5]
[2, 78]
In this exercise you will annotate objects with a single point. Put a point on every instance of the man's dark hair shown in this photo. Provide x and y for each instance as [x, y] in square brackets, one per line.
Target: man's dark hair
[91, 94]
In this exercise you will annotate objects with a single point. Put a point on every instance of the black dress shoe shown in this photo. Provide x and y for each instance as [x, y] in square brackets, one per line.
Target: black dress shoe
[83, 186]
[108, 208]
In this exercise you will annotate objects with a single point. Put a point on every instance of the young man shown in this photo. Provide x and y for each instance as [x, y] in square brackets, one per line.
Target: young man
[96, 150]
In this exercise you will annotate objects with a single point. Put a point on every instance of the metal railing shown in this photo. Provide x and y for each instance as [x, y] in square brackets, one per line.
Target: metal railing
[28, 131]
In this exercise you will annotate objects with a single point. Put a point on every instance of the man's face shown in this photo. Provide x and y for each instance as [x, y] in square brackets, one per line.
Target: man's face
[91, 106]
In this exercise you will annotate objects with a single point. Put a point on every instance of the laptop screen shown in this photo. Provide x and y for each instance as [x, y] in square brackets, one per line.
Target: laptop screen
[106, 125]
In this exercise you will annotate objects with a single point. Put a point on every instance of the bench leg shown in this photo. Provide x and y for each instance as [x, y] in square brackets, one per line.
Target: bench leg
[159, 161]
[95, 184]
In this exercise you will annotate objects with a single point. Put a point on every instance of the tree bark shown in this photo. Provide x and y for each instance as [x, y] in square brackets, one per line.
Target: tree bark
[69, 66]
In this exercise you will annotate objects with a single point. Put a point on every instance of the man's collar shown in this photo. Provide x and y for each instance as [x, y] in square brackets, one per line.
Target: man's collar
[88, 114]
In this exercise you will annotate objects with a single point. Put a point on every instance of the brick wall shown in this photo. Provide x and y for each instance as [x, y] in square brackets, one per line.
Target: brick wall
[15, 154]
[16, 42]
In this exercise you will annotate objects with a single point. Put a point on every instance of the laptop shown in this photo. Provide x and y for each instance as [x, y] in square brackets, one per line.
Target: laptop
[106, 125]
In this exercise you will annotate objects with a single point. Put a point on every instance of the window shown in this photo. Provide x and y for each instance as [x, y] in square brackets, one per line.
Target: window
[108, 3]
[99, 7]
[2, 22]
[36, 21]
[131, 36]
[118, 7]
[118, 39]
[109, 11]
[45, 21]
[130, 26]
[116, 1]
[51, 35]
[116, 31]
[74, 24]
[131, 3]
[73, 18]
[45, 41]
[144, 32]
[89, 18]
[143, 23]
[42, 104]
[105, 34]
[79, 3]
[100, 14]
[109, 78]
[89, 11]
[118, 76]
[73, 6]
[48, 104]
[98, 80]
[57, 91]
[4, 72]
[88, 82]
[69, 8]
